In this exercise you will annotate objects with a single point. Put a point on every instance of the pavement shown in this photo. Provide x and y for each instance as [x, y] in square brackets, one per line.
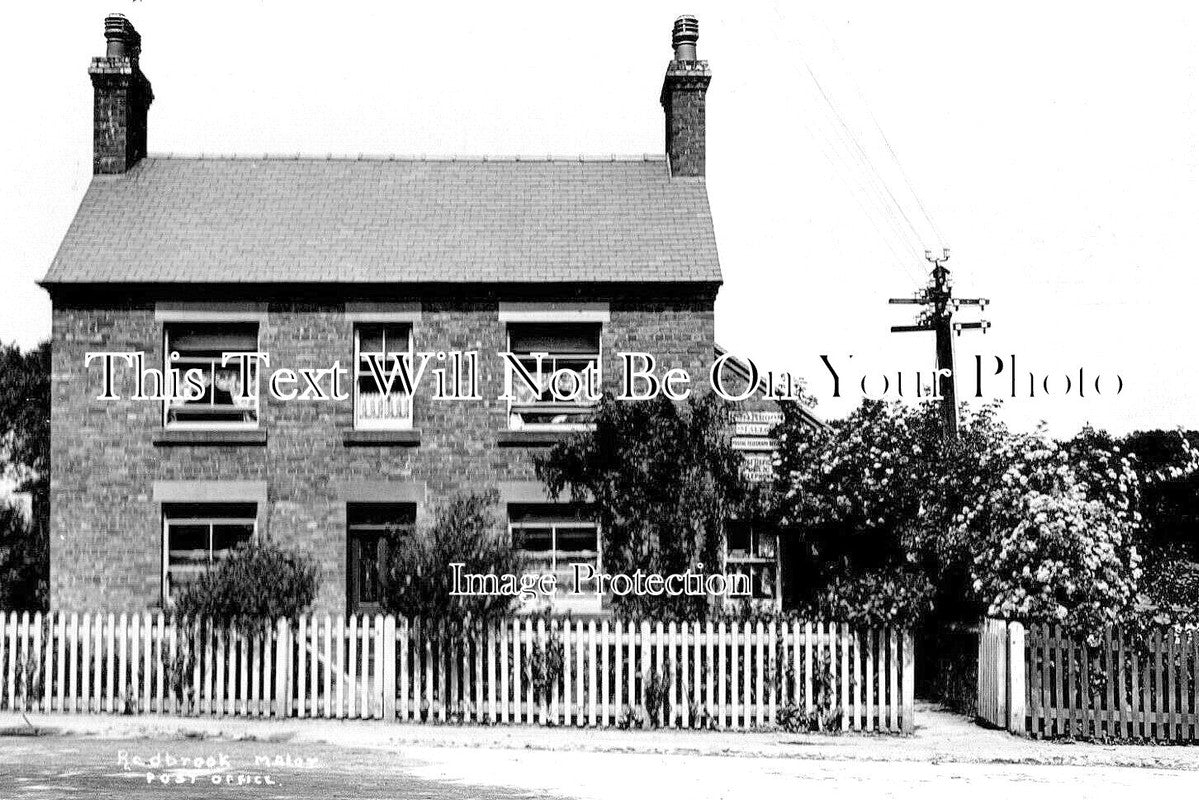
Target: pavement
[98, 756]
[940, 736]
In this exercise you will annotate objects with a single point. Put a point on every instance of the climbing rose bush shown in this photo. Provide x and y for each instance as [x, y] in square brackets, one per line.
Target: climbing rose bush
[1057, 531]
[1007, 523]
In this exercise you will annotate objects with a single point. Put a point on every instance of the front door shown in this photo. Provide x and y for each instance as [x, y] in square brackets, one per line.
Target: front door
[371, 530]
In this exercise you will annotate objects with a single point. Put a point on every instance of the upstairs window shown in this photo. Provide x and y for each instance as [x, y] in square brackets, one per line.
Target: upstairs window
[571, 364]
[225, 402]
[378, 405]
[197, 536]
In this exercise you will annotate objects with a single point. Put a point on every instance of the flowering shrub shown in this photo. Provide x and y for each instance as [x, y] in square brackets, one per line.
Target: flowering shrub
[1056, 525]
[862, 475]
[1057, 558]
[899, 520]
[858, 496]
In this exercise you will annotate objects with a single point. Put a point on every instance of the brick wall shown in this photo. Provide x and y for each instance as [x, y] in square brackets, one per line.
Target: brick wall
[684, 100]
[121, 99]
[106, 529]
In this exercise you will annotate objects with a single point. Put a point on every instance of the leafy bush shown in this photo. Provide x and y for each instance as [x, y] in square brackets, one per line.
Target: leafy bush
[665, 480]
[466, 531]
[544, 668]
[657, 696]
[826, 713]
[257, 581]
[1171, 587]
[890, 597]
[1167, 463]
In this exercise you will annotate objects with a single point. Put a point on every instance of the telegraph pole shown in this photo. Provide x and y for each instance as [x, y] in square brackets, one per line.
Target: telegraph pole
[940, 305]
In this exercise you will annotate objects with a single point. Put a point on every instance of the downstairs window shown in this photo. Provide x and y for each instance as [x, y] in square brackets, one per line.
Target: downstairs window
[552, 538]
[753, 552]
[197, 536]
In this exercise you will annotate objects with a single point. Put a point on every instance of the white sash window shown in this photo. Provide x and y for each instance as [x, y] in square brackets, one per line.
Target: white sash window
[571, 356]
[224, 401]
[378, 406]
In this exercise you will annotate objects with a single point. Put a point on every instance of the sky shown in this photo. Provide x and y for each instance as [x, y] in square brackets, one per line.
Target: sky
[1051, 147]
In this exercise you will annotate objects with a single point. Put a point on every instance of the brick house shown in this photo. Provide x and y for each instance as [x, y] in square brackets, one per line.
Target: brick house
[320, 260]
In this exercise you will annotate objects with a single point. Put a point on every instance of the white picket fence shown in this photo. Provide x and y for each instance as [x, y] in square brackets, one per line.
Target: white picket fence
[555, 671]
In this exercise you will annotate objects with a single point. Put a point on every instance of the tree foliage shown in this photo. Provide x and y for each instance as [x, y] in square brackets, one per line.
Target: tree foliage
[467, 531]
[22, 563]
[25, 461]
[1169, 489]
[256, 582]
[664, 479]
[25, 414]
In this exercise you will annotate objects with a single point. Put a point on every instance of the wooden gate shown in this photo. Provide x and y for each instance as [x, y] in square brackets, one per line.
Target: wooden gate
[1001, 688]
[992, 672]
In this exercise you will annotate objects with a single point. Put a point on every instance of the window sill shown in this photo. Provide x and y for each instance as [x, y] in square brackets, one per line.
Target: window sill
[523, 438]
[408, 437]
[202, 438]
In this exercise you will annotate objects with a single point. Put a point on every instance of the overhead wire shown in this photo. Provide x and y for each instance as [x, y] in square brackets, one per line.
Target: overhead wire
[861, 151]
[894, 210]
[932, 223]
[890, 233]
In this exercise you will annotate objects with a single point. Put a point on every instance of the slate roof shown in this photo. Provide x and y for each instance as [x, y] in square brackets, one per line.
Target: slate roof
[280, 220]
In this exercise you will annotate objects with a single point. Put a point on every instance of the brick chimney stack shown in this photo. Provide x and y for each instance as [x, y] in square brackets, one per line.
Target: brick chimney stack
[683, 99]
[122, 100]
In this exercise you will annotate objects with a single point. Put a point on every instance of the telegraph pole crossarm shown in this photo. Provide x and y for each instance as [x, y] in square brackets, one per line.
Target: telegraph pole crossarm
[958, 327]
[938, 318]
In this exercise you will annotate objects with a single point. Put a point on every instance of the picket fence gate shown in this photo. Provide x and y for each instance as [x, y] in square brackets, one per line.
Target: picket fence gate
[1125, 686]
[524, 670]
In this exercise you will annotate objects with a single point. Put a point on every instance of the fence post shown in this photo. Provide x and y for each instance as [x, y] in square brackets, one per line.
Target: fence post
[909, 683]
[1016, 691]
[282, 700]
[389, 668]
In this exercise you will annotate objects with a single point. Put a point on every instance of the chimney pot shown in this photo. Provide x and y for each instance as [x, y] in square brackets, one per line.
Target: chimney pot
[122, 98]
[686, 34]
[116, 31]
